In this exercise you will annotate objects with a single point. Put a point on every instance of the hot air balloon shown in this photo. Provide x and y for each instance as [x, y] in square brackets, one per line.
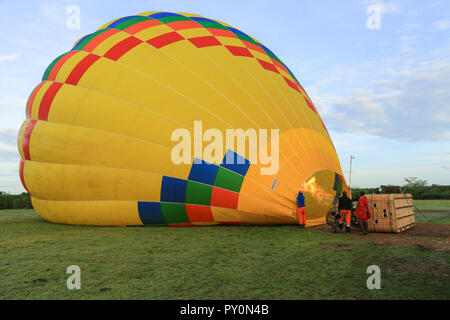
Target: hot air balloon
[102, 140]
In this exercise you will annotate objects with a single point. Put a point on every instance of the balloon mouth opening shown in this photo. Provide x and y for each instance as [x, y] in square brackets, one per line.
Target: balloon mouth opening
[322, 191]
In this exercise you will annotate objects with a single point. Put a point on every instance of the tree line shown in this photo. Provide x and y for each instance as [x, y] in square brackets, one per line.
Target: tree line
[417, 188]
[14, 201]
[434, 192]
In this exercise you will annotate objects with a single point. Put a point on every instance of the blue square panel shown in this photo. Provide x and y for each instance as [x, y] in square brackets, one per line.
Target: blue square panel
[336, 182]
[236, 163]
[173, 190]
[203, 172]
[150, 213]
[163, 15]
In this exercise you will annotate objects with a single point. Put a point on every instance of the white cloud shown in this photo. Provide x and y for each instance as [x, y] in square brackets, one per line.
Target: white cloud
[407, 43]
[9, 161]
[8, 144]
[56, 12]
[386, 7]
[9, 57]
[382, 160]
[441, 25]
[8, 136]
[14, 101]
[396, 176]
[412, 105]
[434, 4]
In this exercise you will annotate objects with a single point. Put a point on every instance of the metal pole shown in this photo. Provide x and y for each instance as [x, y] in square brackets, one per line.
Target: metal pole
[350, 187]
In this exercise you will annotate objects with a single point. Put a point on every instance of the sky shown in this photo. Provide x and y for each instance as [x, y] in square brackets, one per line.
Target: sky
[377, 70]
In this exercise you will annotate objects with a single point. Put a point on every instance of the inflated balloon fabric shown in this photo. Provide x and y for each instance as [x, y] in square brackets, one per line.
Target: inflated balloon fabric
[97, 145]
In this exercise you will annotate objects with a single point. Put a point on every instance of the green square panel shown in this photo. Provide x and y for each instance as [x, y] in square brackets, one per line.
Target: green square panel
[174, 213]
[50, 67]
[169, 19]
[229, 180]
[246, 38]
[130, 22]
[339, 189]
[86, 40]
[198, 193]
[211, 24]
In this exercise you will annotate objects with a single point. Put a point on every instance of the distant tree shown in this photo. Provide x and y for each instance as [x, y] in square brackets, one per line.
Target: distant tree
[15, 201]
[419, 190]
[415, 182]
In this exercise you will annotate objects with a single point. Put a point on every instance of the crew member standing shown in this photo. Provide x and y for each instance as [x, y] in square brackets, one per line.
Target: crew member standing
[362, 212]
[301, 209]
[345, 210]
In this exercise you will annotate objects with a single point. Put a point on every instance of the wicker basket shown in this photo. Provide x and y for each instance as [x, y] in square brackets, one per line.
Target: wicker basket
[391, 212]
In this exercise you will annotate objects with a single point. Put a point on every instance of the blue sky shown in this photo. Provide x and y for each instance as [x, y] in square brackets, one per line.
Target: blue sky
[383, 93]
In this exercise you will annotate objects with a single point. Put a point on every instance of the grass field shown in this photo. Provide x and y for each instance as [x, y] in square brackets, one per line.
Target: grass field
[442, 218]
[225, 262]
[432, 204]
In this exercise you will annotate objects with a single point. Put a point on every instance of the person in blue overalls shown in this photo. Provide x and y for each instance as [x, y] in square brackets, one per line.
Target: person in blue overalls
[301, 209]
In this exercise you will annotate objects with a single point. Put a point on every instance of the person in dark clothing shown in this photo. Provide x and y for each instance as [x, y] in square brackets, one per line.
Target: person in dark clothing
[345, 211]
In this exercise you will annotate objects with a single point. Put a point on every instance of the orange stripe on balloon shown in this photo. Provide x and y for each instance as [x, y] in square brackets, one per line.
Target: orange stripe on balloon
[22, 179]
[222, 33]
[47, 100]
[253, 46]
[31, 98]
[22, 127]
[27, 137]
[98, 39]
[59, 64]
[279, 65]
[182, 25]
[135, 28]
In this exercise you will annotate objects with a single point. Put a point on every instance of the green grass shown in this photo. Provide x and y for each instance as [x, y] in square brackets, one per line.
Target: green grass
[432, 204]
[438, 218]
[226, 262]
[441, 218]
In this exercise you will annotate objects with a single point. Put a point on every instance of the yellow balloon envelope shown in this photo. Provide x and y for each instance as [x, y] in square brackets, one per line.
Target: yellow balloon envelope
[98, 143]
